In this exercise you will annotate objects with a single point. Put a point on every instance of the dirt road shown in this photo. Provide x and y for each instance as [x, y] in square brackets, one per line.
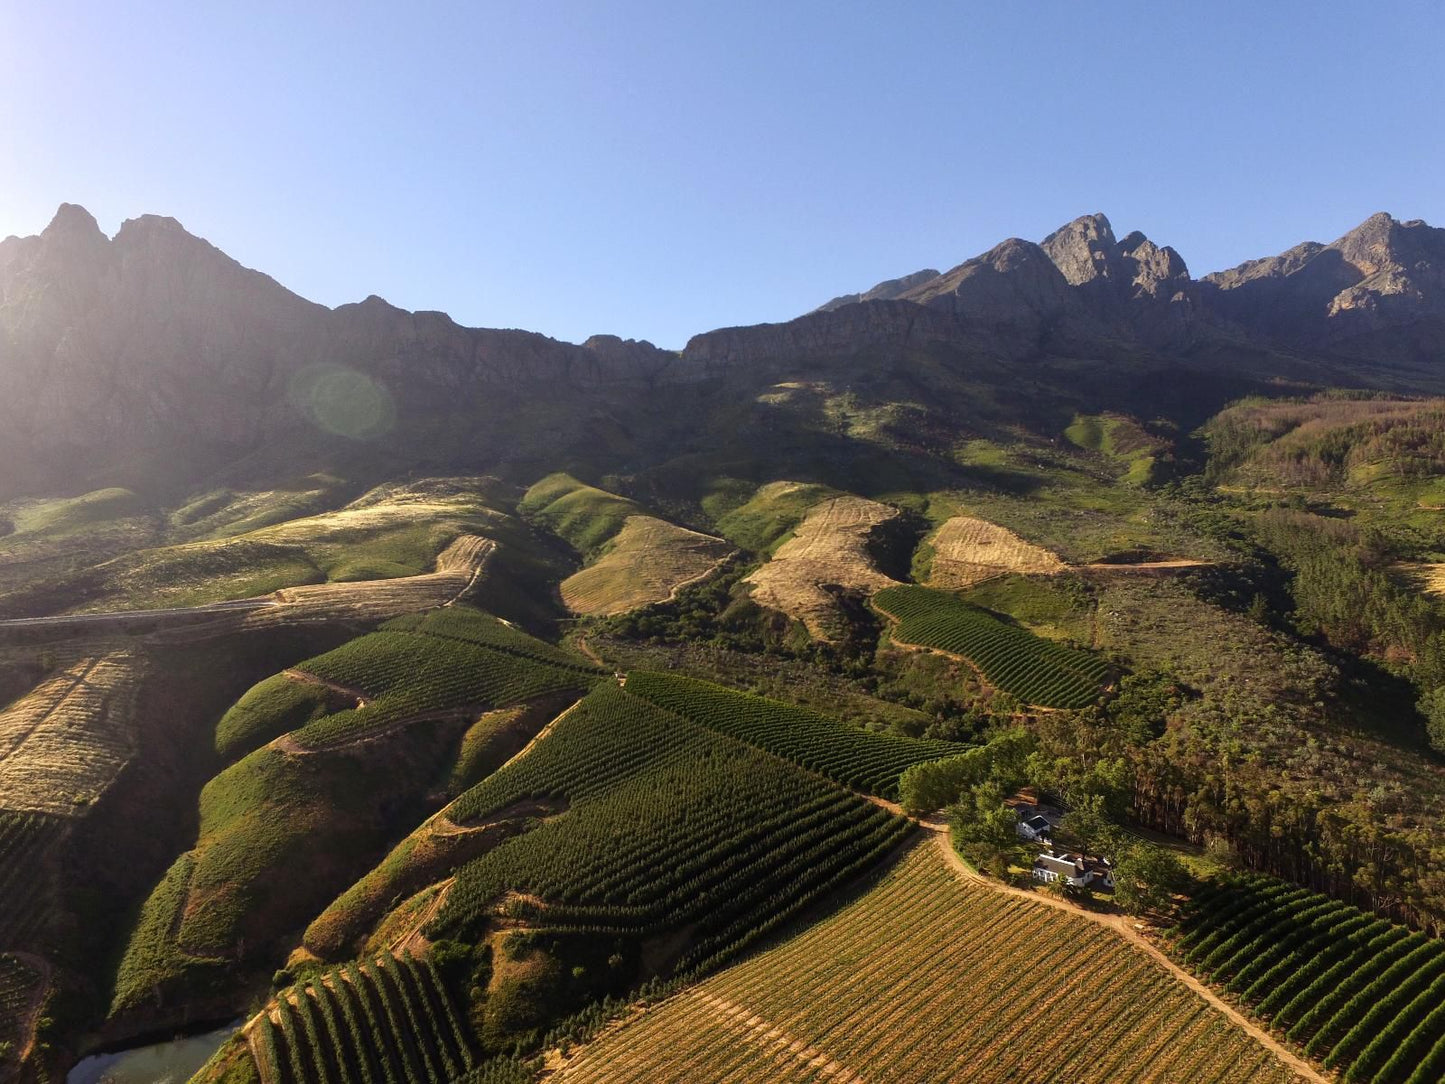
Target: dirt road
[1125, 928]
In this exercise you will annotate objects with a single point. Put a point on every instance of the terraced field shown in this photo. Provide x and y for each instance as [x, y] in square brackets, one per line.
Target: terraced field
[925, 978]
[645, 562]
[1364, 995]
[20, 985]
[829, 549]
[64, 743]
[1033, 669]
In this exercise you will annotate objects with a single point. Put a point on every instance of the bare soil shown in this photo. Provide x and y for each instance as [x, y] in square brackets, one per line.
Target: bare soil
[968, 551]
[829, 549]
[648, 561]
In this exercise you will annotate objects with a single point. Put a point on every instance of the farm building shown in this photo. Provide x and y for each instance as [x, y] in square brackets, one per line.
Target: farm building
[1079, 870]
[1036, 822]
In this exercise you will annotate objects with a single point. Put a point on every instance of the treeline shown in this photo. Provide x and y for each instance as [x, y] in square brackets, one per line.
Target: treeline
[1354, 848]
[1343, 593]
[1320, 441]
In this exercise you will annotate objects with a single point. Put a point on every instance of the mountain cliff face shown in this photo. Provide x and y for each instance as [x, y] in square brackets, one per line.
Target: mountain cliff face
[154, 344]
[156, 340]
[1379, 289]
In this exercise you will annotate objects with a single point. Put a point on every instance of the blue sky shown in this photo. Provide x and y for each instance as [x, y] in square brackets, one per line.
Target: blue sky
[658, 169]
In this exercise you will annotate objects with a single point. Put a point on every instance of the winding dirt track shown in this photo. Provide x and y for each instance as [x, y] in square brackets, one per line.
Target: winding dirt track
[1126, 929]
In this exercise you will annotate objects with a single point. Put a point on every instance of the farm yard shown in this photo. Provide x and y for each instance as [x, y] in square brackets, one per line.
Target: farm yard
[1035, 670]
[966, 551]
[830, 547]
[1365, 996]
[645, 562]
[928, 978]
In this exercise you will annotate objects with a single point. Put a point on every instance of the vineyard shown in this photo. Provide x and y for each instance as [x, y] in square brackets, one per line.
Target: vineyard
[1021, 664]
[19, 985]
[474, 627]
[861, 759]
[25, 841]
[926, 978]
[453, 661]
[62, 744]
[1363, 995]
[385, 1021]
[668, 825]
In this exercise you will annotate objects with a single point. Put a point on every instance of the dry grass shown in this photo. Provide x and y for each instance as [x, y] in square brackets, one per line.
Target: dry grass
[63, 744]
[1428, 577]
[926, 978]
[646, 562]
[967, 551]
[829, 548]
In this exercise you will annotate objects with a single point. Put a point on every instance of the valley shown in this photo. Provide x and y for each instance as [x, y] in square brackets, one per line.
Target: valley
[1031, 671]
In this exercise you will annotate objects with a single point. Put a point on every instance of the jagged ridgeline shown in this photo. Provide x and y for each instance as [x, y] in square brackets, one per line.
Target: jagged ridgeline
[1363, 995]
[1020, 663]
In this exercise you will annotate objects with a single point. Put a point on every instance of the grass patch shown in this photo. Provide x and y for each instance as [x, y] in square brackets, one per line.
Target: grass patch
[269, 709]
[584, 515]
[767, 519]
[67, 514]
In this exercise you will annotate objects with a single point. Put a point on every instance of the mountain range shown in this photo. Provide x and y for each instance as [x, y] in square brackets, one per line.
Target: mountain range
[117, 352]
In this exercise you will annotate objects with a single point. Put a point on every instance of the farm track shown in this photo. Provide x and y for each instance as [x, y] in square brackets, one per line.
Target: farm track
[459, 567]
[31, 1017]
[408, 939]
[770, 1019]
[311, 679]
[1126, 929]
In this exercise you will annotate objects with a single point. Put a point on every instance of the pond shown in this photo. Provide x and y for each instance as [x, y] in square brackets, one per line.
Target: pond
[171, 1062]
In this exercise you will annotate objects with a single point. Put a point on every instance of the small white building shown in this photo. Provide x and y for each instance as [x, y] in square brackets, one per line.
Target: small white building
[1036, 823]
[1077, 869]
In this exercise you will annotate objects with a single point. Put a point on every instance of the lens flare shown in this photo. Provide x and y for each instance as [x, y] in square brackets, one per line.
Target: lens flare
[344, 402]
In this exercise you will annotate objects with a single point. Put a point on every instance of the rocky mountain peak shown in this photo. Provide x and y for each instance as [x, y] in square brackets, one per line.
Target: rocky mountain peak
[73, 220]
[1084, 250]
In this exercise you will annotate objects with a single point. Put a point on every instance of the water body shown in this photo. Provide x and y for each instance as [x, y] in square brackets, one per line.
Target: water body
[161, 1063]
